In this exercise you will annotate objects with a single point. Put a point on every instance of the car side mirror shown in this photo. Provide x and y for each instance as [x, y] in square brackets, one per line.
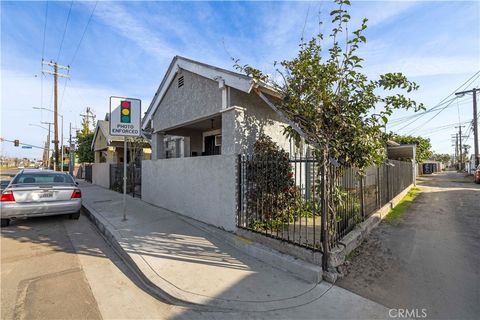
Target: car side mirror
[76, 182]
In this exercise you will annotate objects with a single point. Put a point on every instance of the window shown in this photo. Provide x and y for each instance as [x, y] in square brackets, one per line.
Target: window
[181, 81]
[43, 178]
[218, 140]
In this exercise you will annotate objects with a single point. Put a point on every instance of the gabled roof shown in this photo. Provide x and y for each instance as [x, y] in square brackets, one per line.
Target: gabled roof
[102, 125]
[232, 79]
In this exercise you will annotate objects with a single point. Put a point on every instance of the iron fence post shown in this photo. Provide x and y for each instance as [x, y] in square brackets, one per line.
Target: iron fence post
[324, 216]
[239, 189]
[362, 197]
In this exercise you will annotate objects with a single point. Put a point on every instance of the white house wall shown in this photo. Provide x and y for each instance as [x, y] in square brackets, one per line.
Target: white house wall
[203, 188]
[198, 97]
[101, 174]
[253, 118]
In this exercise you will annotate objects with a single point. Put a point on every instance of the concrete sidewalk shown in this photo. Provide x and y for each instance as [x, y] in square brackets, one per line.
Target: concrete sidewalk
[188, 263]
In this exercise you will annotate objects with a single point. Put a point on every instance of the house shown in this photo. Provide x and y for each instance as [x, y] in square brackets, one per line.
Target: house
[109, 151]
[209, 116]
[107, 148]
[215, 111]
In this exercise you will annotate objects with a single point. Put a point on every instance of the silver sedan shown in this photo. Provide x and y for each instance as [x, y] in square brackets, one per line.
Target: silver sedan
[34, 193]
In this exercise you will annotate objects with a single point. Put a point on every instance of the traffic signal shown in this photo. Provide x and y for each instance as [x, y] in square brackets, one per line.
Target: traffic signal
[16, 142]
[125, 112]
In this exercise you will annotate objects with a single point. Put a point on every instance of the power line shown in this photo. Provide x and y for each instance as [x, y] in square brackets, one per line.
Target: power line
[434, 116]
[404, 119]
[83, 34]
[466, 83]
[43, 53]
[65, 31]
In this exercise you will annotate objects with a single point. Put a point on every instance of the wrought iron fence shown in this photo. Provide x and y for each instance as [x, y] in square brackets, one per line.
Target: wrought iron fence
[282, 197]
[134, 179]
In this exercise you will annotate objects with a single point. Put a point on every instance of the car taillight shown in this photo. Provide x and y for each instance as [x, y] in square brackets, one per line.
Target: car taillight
[76, 194]
[7, 196]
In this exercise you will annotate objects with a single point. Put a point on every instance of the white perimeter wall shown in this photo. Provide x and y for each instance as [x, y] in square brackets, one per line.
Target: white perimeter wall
[203, 188]
[101, 174]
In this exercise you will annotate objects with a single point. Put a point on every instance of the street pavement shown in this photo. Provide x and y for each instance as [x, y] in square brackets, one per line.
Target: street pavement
[429, 259]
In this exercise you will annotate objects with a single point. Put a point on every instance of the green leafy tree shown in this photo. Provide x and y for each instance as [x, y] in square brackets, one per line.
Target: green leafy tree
[84, 148]
[423, 149]
[332, 104]
[443, 158]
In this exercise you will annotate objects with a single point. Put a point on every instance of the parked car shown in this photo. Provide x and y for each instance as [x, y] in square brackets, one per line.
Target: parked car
[33, 193]
[477, 174]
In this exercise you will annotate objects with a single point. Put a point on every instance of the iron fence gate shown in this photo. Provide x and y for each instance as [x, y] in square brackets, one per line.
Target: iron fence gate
[282, 197]
[134, 179]
[88, 172]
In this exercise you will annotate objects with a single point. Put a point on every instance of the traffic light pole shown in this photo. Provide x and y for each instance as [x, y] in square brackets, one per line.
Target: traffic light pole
[124, 178]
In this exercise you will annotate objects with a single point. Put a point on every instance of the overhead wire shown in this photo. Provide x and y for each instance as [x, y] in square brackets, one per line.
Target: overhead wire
[64, 31]
[41, 63]
[466, 83]
[83, 34]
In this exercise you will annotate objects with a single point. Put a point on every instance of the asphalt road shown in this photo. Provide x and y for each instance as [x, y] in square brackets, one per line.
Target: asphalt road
[56, 268]
[430, 259]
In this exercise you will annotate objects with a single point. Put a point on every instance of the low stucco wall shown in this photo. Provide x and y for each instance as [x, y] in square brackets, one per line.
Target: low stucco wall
[202, 188]
[101, 174]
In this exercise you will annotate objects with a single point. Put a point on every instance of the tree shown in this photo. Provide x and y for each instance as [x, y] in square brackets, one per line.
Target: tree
[423, 151]
[443, 158]
[84, 149]
[135, 146]
[329, 102]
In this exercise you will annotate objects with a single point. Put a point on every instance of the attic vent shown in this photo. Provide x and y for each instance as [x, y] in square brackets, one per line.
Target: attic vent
[181, 81]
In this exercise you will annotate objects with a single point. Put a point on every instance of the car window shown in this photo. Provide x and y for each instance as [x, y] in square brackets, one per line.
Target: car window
[49, 178]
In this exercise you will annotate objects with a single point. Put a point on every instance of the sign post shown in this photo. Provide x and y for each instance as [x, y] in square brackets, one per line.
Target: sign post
[125, 118]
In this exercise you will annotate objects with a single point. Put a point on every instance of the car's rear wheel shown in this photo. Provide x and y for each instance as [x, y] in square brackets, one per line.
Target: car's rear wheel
[5, 222]
[75, 215]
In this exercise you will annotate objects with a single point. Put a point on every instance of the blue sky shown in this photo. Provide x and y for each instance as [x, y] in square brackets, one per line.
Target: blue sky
[128, 46]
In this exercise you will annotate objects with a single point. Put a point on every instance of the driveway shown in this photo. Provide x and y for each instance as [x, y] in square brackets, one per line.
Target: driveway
[430, 258]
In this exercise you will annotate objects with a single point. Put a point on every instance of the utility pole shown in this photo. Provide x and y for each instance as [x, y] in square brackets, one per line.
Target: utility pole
[55, 101]
[86, 117]
[475, 123]
[460, 149]
[48, 141]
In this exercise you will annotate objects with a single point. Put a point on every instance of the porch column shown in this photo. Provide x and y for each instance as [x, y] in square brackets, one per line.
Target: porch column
[233, 131]
[158, 146]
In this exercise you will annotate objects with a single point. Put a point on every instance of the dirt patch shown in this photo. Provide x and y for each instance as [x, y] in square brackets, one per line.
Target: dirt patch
[370, 261]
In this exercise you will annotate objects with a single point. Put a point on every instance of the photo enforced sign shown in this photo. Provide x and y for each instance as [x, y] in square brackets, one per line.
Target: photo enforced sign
[125, 116]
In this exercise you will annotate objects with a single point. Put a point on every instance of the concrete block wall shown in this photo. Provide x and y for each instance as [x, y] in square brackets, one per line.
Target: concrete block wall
[101, 174]
[203, 188]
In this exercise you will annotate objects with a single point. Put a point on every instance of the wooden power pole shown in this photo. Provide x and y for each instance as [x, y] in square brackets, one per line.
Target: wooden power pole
[55, 74]
[475, 123]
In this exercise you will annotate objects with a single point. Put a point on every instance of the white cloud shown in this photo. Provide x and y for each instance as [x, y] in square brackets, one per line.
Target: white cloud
[132, 27]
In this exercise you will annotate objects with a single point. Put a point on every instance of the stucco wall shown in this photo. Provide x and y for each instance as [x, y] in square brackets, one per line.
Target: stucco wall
[101, 174]
[252, 119]
[198, 97]
[202, 188]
